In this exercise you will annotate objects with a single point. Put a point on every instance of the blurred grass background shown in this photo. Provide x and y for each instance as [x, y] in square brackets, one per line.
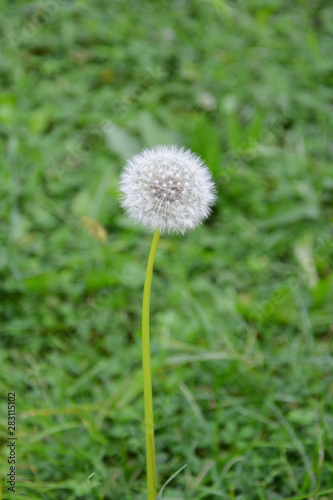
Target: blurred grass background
[242, 309]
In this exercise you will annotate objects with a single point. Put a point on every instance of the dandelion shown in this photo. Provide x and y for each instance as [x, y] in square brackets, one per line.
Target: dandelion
[167, 190]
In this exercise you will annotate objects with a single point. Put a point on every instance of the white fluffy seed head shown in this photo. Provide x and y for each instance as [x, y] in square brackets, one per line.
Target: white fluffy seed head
[167, 188]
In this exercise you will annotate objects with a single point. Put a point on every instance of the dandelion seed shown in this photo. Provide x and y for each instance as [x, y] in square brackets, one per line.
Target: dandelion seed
[167, 189]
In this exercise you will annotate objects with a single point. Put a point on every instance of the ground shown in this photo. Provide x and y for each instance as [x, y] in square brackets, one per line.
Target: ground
[241, 313]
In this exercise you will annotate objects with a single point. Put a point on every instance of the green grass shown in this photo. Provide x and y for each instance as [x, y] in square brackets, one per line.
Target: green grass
[242, 315]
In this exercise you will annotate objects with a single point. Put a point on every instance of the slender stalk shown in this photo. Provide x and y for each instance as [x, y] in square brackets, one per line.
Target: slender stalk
[147, 385]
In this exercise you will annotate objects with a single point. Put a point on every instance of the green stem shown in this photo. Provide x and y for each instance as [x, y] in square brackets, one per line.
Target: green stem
[147, 385]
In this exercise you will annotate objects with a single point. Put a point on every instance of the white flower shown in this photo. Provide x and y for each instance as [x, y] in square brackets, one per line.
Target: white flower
[167, 188]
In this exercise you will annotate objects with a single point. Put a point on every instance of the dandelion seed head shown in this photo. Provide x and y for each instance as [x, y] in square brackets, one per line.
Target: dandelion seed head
[167, 188]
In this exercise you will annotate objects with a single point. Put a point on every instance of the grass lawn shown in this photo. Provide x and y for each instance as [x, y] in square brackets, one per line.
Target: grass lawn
[242, 307]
